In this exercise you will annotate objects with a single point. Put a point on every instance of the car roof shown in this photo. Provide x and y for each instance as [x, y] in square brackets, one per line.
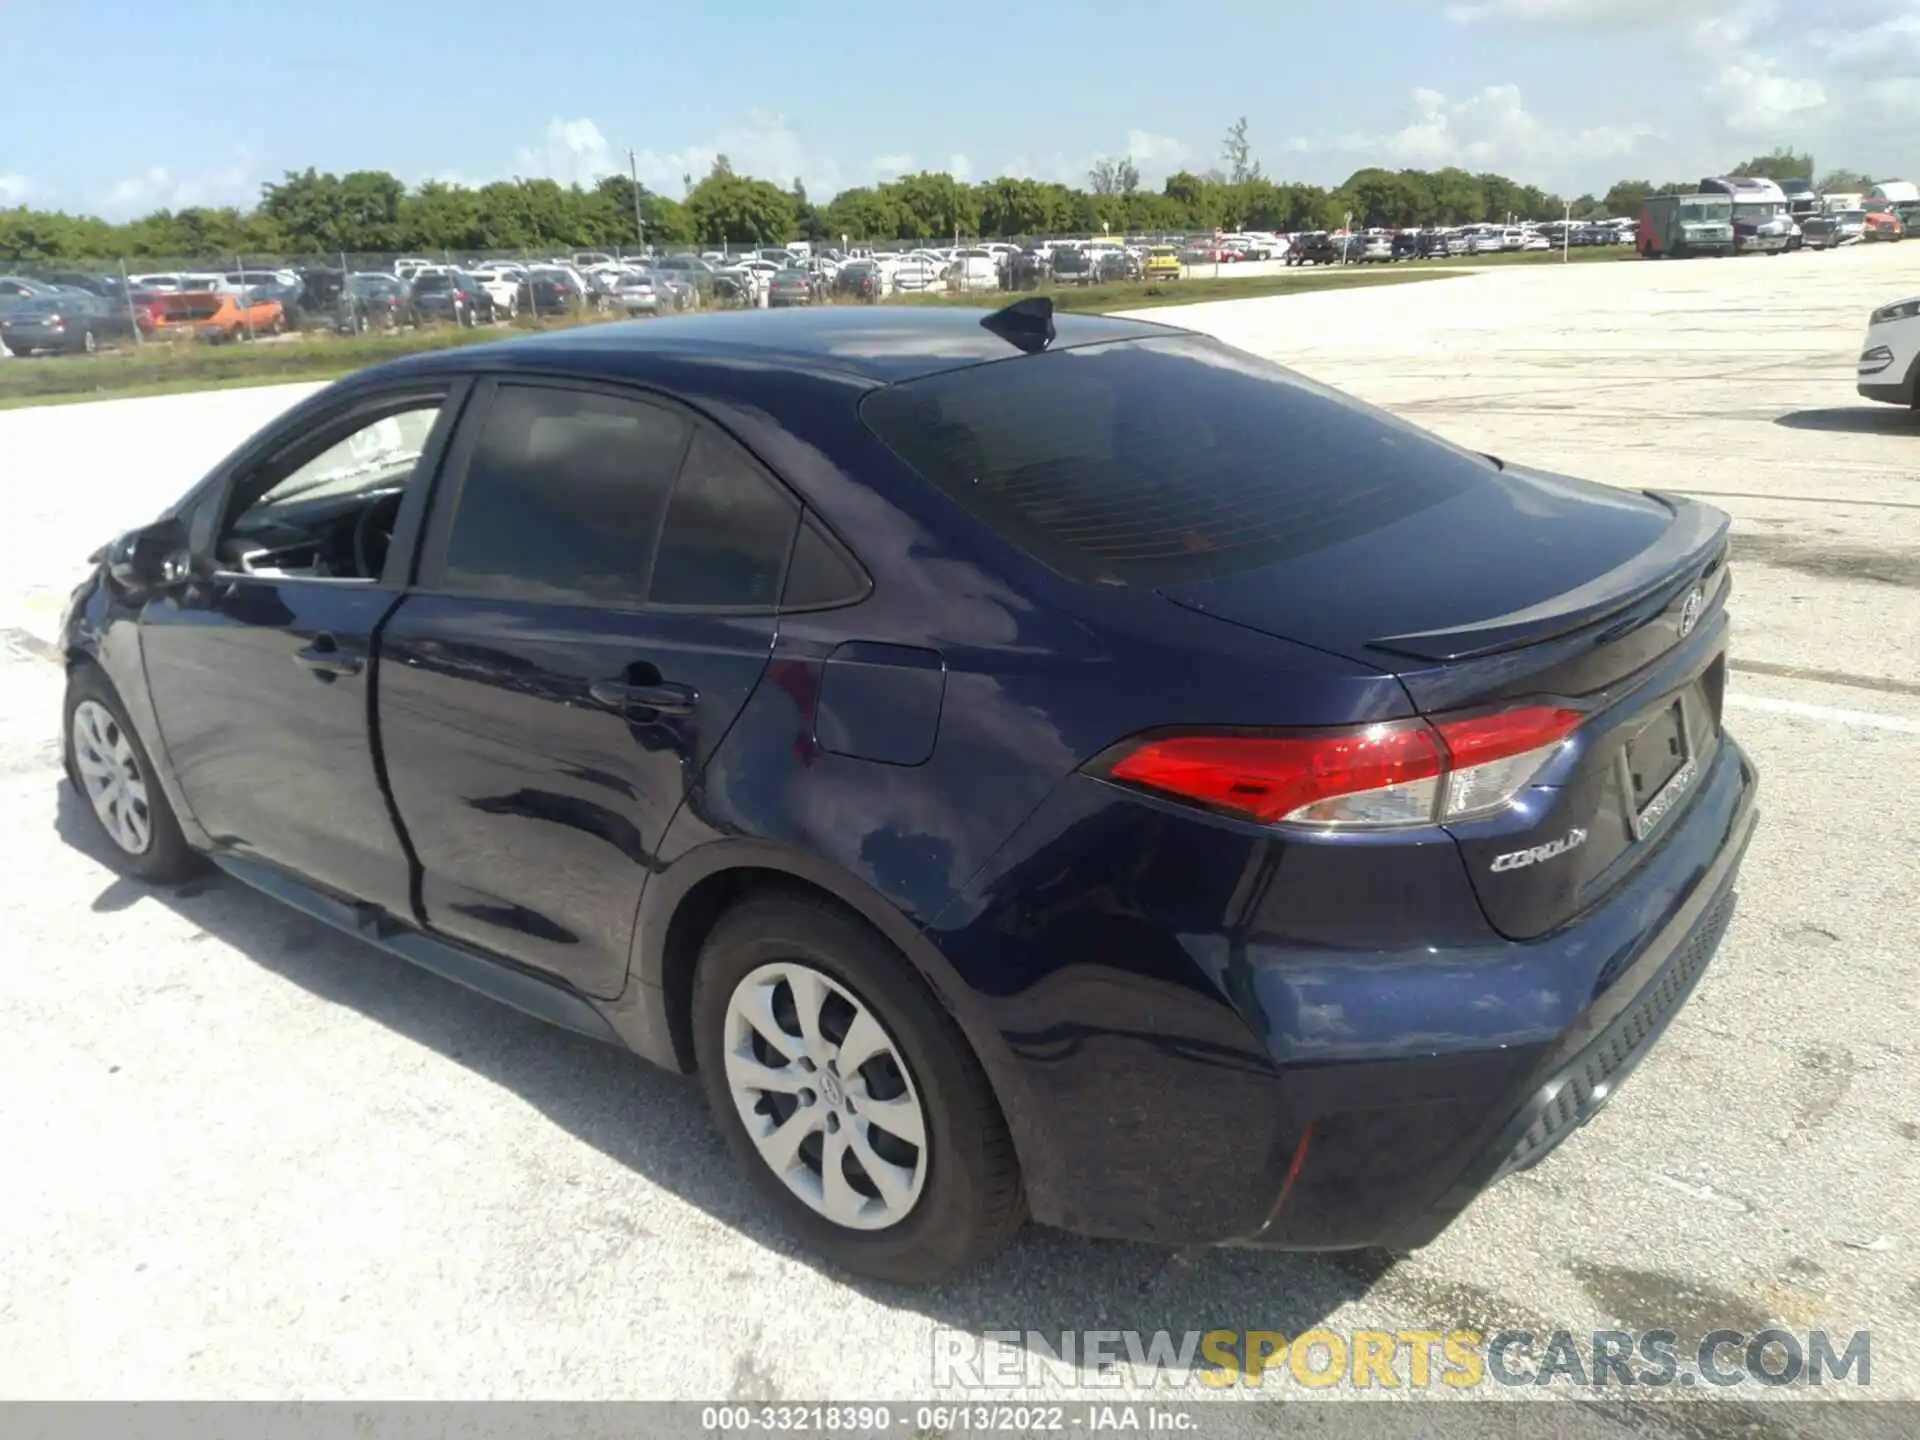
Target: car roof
[879, 344]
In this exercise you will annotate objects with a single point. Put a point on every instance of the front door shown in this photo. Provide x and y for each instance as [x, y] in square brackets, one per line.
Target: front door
[260, 667]
[596, 602]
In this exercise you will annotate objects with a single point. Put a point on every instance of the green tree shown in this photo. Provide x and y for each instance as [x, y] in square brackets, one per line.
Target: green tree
[1010, 206]
[729, 208]
[1627, 196]
[1784, 163]
[1114, 177]
[863, 214]
[1846, 182]
[439, 216]
[933, 206]
[1237, 151]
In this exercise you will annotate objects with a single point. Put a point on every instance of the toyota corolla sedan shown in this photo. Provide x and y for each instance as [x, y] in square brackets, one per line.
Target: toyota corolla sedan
[1027, 766]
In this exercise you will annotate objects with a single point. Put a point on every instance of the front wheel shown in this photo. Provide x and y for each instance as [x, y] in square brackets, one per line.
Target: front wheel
[849, 1094]
[110, 768]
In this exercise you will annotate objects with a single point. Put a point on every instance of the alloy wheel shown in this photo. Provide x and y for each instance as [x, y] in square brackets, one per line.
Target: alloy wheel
[825, 1096]
[110, 773]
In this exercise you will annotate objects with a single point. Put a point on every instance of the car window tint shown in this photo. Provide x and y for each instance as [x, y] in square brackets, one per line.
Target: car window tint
[820, 574]
[562, 497]
[728, 531]
[1156, 461]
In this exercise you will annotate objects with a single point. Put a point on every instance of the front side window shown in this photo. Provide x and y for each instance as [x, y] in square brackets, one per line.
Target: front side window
[563, 497]
[328, 513]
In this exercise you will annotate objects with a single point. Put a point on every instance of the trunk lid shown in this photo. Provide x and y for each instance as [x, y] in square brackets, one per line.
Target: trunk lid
[1532, 587]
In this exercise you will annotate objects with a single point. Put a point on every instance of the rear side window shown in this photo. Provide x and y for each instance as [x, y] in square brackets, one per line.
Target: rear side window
[1154, 462]
[821, 573]
[728, 532]
[563, 497]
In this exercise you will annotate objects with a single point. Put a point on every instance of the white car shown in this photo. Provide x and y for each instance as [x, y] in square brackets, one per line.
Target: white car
[502, 286]
[974, 270]
[915, 273]
[1536, 241]
[1890, 359]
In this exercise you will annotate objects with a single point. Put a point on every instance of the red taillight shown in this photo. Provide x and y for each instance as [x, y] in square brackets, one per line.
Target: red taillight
[1404, 773]
[1272, 778]
[460, 295]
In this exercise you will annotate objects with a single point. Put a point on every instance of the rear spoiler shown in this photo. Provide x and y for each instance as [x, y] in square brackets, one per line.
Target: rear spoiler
[1698, 535]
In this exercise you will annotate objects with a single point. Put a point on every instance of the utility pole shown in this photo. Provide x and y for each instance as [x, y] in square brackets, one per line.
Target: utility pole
[639, 225]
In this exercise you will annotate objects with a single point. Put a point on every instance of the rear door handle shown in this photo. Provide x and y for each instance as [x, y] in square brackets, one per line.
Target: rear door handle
[665, 699]
[327, 660]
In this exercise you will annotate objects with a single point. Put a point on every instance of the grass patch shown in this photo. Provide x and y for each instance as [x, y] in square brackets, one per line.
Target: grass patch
[1576, 255]
[1149, 294]
[169, 368]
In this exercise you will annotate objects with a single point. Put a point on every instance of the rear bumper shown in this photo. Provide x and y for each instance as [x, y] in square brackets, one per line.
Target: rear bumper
[39, 337]
[1657, 935]
[1196, 1056]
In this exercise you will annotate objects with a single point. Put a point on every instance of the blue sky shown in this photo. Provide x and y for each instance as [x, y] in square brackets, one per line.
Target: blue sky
[180, 102]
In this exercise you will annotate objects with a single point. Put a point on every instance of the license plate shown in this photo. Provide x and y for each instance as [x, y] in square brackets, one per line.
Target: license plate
[1657, 767]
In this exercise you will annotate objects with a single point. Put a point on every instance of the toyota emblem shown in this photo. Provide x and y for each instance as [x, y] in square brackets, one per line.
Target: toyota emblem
[1690, 612]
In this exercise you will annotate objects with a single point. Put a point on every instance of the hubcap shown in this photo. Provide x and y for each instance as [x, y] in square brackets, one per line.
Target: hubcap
[826, 1096]
[111, 776]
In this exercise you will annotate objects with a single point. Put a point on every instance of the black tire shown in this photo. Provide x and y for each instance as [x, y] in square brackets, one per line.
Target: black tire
[971, 1201]
[167, 858]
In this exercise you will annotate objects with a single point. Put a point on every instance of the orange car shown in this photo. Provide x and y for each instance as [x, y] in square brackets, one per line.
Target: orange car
[1882, 223]
[218, 317]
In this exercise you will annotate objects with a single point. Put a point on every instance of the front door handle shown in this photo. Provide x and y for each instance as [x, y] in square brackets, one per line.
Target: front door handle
[327, 660]
[664, 699]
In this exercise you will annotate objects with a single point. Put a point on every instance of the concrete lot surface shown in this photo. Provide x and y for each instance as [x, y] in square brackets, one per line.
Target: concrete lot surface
[247, 1157]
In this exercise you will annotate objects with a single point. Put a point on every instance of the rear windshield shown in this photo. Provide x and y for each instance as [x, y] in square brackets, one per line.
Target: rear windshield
[192, 307]
[1154, 462]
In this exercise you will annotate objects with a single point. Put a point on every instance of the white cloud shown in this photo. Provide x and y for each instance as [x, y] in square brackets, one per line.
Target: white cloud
[1583, 14]
[761, 144]
[1491, 129]
[1841, 77]
[1158, 152]
[14, 187]
[1751, 96]
[159, 188]
[574, 153]
[959, 166]
[889, 167]
[1890, 44]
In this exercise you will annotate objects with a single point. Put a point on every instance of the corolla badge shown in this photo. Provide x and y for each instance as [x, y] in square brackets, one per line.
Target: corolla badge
[1690, 612]
[1521, 859]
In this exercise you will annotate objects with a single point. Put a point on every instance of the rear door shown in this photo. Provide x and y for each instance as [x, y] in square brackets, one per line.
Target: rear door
[595, 604]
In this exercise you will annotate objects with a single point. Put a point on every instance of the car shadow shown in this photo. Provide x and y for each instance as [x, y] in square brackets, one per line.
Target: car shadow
[1855, 420]
[655, 1123]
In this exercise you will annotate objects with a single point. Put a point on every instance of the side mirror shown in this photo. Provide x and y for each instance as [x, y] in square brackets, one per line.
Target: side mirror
[149, 558]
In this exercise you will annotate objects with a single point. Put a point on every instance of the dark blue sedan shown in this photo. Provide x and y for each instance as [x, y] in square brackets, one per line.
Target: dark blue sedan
[1028, 766]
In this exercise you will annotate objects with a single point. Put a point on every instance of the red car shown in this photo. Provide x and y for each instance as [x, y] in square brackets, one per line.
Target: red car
[149, 308]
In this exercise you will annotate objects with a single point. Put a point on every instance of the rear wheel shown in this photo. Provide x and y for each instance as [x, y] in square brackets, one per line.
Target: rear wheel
[110, 768]
[849, 1094]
